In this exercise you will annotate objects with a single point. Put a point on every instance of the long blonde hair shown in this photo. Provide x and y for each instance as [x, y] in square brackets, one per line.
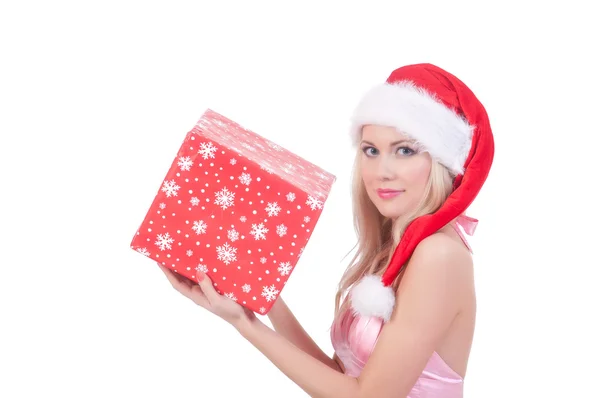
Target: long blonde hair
[378, 236]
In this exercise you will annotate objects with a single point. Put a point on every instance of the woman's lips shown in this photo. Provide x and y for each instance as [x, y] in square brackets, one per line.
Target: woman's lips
[388, 193]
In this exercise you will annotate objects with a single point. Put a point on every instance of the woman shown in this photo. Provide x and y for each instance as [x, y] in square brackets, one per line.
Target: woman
[405, 308]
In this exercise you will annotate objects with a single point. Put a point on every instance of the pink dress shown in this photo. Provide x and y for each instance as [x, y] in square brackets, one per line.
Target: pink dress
[354, 337]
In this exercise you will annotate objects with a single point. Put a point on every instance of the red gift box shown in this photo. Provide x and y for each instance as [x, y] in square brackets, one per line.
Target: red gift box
[236, 206]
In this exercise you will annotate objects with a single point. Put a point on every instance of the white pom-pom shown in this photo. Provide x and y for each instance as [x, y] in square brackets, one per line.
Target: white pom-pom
[369, 297]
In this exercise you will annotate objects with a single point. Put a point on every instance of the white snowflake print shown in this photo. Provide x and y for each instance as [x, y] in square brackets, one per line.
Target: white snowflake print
[284, 268]
[243, 218]
[248, 146]
[199, 227]
[194, 201]
[233, 235]
[164, 241]
[246, 288]
[185, 163]
[274, 146]
[262, 310]
[289, 168]
[224, 198]
[170, 188]
[231, 296]
[306, 218]
[202, 268]
[267, 169]
[232, 161]
[226, 253]
[144, 251]
[245, 179]
[263, 260]
[290, 196]
[189, 253]
[314, 203]
[281, 230]
[162, 205]
[207, 150]
[272, 209]
[269, 292]
[259, 231]
[323, 176]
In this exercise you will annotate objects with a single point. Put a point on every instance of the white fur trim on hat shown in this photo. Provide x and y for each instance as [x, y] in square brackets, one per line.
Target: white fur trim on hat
[369, 297]
[415, 112]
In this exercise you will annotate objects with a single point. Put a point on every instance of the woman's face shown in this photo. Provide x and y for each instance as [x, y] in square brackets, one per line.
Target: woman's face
[394, 172]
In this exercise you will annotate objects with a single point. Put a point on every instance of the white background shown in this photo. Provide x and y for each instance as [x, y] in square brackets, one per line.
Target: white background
[96, 97]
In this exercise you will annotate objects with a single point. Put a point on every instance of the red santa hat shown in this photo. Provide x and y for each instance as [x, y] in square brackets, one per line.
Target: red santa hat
[443, 115]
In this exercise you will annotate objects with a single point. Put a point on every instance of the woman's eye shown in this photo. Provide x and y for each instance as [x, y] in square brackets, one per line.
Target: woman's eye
[369, 151]
[406, 151]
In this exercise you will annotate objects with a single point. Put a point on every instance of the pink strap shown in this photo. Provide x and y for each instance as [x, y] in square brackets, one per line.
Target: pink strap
[468, 224]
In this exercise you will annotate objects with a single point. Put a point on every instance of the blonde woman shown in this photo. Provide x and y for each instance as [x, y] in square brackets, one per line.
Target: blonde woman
[406, 306]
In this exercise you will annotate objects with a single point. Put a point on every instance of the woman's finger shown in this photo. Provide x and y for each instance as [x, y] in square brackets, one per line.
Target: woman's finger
[207, 287]
[198, 297]
[176, 281]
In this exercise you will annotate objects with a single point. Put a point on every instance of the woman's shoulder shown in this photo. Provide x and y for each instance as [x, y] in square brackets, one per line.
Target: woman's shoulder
[441, 251]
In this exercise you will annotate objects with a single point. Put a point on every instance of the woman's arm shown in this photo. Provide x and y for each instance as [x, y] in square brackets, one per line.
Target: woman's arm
[285, 323]
[427, 302]
[315, 377]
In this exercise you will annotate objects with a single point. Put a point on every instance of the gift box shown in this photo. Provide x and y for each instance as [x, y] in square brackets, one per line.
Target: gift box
[236, 206]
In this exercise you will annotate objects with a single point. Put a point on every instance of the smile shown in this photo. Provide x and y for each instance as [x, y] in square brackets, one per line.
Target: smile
[388, 193]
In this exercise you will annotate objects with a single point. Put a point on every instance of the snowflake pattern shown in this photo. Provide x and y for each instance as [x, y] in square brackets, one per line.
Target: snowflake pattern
[314, 203]
[164, 241]
[224, 198]
[202, 268]
[185, 163]
[144, 251]
[170, 188]
[233, 235]
[289, 168]
[243, 218]
[262, 310]
[290, 196]
[246, 288]
[322, 175]
[259, 231]
[248, 147]
[284, 268]
[162, 206]
[231, 296]
[245, 179]
[232, 161]
[226, 253]
[194, 201]
[281, 230]
[272, 209]
[263, 260]
[269, 293]
[189, 253]
[274, 146]
[199, 227]
[207, 150]
[306, 219]
[267, 169]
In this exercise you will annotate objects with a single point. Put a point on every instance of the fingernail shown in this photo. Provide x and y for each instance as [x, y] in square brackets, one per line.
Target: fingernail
[200, 276]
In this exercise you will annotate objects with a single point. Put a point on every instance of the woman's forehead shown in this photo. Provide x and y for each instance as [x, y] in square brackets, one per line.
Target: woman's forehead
[383, 134]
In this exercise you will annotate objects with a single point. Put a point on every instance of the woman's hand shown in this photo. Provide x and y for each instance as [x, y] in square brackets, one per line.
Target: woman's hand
[205, 295]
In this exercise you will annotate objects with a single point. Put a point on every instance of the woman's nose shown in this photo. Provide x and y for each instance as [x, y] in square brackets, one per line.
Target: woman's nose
[385, 169]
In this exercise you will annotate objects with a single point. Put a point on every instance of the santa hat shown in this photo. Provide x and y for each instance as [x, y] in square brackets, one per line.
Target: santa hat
[442, 114]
